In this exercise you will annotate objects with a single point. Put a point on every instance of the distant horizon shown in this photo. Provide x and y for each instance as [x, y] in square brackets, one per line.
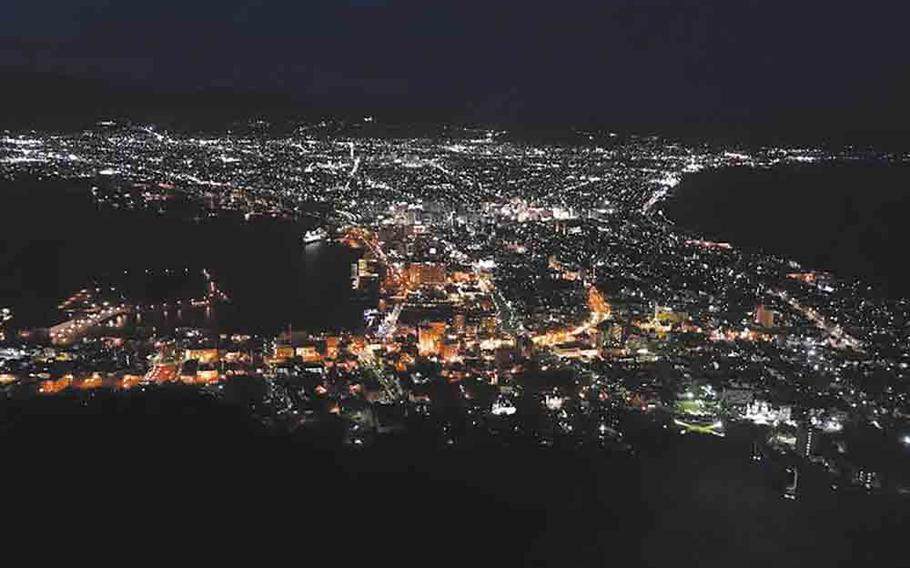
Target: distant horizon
[221, 109]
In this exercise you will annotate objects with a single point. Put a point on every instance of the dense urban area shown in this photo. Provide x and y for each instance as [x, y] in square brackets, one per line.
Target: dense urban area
[514, 292]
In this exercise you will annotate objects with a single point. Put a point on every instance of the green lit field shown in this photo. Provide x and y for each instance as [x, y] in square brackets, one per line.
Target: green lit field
[715, 428]
[694, 406]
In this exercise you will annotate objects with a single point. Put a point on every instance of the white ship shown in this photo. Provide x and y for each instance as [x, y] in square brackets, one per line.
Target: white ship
[315, 236]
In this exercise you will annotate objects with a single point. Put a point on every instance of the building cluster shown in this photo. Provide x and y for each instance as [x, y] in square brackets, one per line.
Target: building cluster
[514, 292]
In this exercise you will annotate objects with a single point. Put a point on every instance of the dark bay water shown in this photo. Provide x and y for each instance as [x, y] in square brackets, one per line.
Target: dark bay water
[851, 219]
[55, 240]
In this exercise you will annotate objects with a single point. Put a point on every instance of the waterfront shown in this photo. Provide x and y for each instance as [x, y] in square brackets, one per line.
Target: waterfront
[56, 240]
[848, 218]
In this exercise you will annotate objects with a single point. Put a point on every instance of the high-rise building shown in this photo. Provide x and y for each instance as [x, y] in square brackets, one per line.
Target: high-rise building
[331, 347]
[764, 316]
[488, 325]
[612, 334]
[426, 273]
[429, 338]
[806, 441]
[458, 322]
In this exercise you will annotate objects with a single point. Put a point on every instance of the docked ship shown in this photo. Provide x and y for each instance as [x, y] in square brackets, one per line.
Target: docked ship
[315, 236]
[791, 490]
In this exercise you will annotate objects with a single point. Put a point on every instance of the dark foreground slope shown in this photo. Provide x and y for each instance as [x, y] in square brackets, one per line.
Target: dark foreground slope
[172, 476]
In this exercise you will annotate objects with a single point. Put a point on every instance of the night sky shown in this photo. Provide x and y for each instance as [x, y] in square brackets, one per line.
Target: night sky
[828, 66]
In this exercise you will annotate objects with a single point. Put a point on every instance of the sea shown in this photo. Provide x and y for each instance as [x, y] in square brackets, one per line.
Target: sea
[849, 218]
[55, 239]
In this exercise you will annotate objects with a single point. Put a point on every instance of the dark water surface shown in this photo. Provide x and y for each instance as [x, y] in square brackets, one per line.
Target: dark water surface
[851, 219]
[55, 240]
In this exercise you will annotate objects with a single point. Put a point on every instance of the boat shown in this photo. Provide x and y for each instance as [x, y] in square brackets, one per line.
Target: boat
[757, 453]
[791, 491]
[315, 236]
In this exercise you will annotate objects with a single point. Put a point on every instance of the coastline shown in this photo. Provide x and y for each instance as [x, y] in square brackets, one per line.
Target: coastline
[847, 219]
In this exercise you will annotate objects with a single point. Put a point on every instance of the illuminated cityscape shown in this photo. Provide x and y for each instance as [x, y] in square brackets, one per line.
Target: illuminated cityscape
[523, 283]
[512, 293]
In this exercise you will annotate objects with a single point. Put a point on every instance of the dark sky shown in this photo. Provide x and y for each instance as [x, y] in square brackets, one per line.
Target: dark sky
[834, 65]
